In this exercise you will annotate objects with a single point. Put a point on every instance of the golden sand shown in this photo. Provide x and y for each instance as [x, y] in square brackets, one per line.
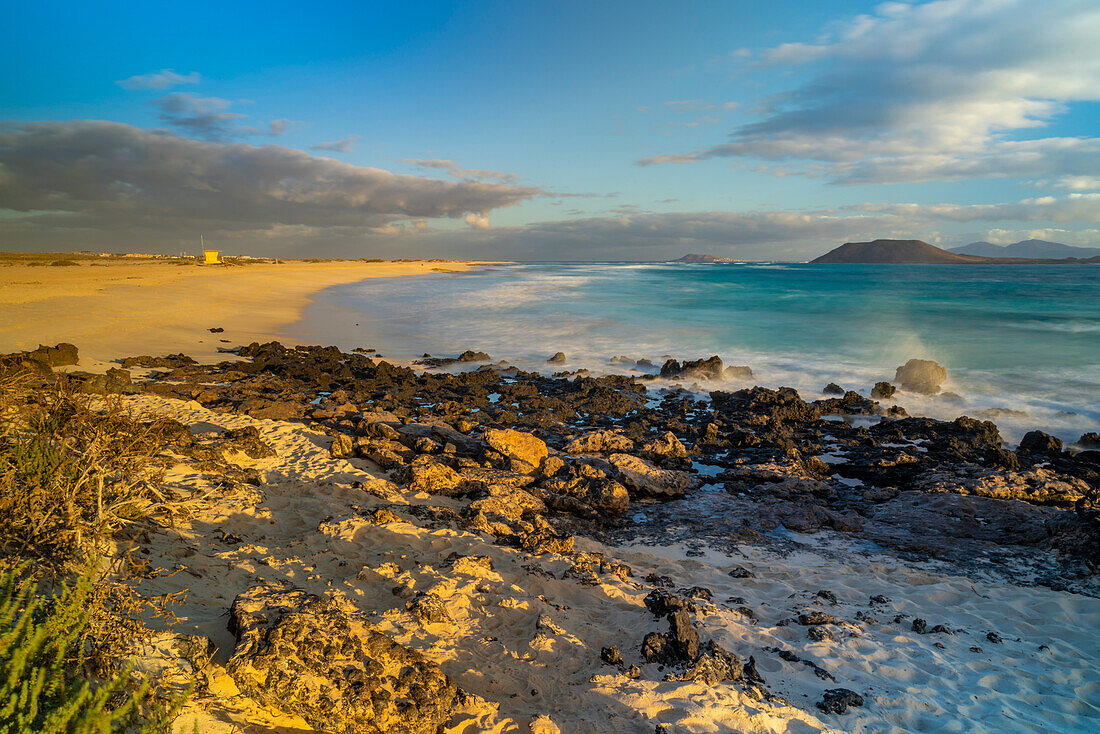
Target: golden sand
[115, 308]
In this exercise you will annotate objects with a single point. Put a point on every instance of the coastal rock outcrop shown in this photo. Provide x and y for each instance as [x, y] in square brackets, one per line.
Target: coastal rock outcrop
[921, 375]
[649, 481]
[597, 442]
[703, 369]
[320, 660]
[427, 474]
[521, 447]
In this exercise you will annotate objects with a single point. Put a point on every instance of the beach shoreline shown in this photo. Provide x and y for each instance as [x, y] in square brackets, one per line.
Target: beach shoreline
[113, 308]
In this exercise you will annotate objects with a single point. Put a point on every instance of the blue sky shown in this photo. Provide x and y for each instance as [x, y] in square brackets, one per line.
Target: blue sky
[560, 130]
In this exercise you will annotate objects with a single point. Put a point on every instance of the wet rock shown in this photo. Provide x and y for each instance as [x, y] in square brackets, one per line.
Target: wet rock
[428, 474]
[838, 700]
[883, 390]
[851, 404]
[516, 445]
[832, 389]
[599, 442]
[697, 369]
[994, 638]
[1089, 440]
[1037, 442]
[649, 481]
[471, 356]
[558, 358]
[921, 375]
[776, 407]
[827, 596]
[318, 659]
[740, 572]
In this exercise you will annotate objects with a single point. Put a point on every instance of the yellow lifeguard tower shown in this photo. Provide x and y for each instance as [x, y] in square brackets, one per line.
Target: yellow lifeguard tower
[209, 257]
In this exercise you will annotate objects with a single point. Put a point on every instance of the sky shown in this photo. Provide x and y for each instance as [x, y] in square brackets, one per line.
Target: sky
[547, 131]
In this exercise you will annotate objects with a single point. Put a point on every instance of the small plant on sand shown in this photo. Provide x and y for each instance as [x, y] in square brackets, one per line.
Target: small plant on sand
[43, 688]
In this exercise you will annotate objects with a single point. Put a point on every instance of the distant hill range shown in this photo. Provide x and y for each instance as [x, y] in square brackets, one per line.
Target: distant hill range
[1040, 249]
[693, 258]
[916, 252]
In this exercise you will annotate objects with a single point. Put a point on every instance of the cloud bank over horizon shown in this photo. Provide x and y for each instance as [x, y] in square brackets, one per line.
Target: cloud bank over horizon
[116, 179]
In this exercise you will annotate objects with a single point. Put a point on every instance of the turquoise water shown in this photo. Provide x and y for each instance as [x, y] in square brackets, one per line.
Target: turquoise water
[1013, 338]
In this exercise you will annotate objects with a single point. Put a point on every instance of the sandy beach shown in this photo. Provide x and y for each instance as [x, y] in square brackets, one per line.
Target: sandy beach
[117, 307]
[560, 567]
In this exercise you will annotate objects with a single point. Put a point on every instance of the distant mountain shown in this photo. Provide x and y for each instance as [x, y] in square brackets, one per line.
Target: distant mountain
[1039, 249]
[693, 258]
[897, 252]
[981, 249]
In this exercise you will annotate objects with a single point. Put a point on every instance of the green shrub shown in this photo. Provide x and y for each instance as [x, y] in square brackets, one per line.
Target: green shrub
[42, 686]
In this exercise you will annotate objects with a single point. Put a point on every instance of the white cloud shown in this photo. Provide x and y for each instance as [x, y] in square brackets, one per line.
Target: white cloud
[477, 220]
[159, 80]
[933, 91]
[1071, 208]
[1081, 237]
[338, 146]
[453, 169]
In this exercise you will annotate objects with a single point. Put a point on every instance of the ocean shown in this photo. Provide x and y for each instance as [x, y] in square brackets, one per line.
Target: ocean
[1021, 343]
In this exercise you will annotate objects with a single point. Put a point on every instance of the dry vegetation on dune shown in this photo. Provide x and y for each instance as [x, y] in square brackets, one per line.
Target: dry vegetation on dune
[72, 472]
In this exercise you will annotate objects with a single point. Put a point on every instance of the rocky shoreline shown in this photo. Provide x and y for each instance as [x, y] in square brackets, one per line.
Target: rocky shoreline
[546, 465]
[593, 450]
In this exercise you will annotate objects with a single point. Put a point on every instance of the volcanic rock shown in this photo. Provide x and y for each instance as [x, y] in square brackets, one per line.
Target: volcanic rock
[1037, 442]
[921, 375]
[601, 441]
[649, 481]
[883, 390]
[428, 474]
[319, 659]
[517, 445]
